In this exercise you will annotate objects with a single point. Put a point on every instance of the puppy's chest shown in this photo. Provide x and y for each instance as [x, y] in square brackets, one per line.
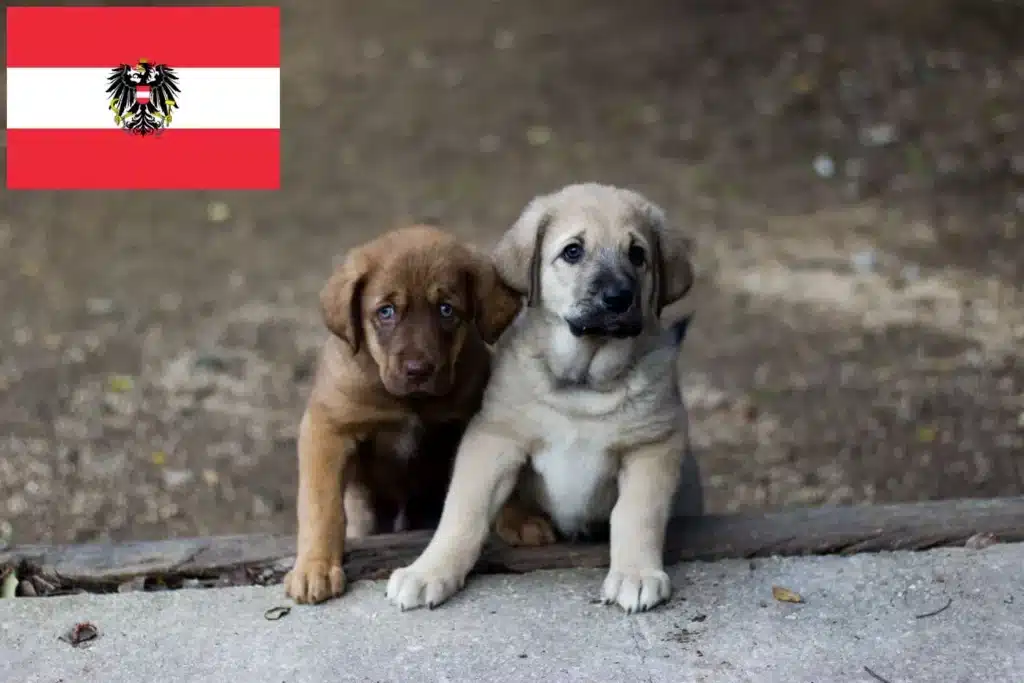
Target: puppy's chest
[576, 479]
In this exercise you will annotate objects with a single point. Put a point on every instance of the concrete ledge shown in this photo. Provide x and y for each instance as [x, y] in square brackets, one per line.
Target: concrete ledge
[723, 626]
[797, 531]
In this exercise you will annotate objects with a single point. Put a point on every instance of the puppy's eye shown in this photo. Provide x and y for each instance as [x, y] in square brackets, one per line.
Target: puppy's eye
[637, 255]
[386, 312]
[446, 310]
[572, 253]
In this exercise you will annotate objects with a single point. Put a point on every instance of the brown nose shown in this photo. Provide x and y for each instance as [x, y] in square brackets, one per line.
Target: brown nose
[418, 370]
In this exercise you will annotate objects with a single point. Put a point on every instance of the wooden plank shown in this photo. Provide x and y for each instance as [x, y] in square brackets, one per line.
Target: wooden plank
[796, 531]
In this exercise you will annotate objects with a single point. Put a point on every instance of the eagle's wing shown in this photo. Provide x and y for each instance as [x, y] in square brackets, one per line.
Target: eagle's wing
[121, 89]
[164, 89]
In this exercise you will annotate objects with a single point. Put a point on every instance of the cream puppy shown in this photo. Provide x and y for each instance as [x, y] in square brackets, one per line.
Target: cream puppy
[583, 419]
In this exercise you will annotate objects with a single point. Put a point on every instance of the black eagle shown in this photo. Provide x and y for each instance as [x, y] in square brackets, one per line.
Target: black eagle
[142, 118]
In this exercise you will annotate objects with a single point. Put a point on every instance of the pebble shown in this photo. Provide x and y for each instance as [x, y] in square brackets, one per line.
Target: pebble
[373, 50]
[538, 136]
[260, 507]
[419, 60]
[864, 261]
[881, 135]
[132, 586]
[211, 477]
[99, 306]
[504, 40]
[489, 143]
[177, 478]
[824, 166]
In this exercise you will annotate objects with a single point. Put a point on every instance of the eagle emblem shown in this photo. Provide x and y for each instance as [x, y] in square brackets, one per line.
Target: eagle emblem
[142, 96]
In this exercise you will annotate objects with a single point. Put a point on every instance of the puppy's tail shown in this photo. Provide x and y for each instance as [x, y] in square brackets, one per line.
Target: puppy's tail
[679, 329]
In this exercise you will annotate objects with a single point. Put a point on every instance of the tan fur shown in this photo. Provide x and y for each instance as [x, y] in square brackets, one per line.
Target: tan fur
[586, 429]
[373, 457]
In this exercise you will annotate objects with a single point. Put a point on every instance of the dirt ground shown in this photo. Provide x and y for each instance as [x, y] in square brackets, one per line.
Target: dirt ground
[854, 177]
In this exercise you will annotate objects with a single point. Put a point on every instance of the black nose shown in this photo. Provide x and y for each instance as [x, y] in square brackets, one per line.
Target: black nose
[418, 370]
[616, 298]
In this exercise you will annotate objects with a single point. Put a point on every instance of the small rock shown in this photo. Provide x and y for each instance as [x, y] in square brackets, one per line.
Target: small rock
[170, 301]
[26, 589]
[489, 143]
[864, 261]
[133, 586]
[260, 507]
[419, 60]
[649, 115]
[191, 583]
[910, 273]
[373, 50]
[177, 478]
[504, 40]
[881, 135]
[980, 541]
[824, 166]
[98, 306]
[538, 136]
[211, 477]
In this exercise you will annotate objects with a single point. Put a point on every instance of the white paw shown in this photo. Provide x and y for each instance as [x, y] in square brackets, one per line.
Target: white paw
[412, 587]
[636, 591]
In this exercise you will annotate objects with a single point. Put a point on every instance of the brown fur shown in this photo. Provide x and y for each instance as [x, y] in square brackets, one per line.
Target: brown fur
[375, 445]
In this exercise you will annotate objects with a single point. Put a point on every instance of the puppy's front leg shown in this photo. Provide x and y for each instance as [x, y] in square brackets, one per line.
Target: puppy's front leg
[485, 472]
[648, 478]
[323, 454]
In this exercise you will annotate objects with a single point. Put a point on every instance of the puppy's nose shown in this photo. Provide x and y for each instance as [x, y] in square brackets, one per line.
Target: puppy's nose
[418, 370]
[617, 298]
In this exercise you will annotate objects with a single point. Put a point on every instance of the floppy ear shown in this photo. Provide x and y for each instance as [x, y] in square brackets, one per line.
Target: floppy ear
[340, 298]
[517, 256]
[673, 269]
[495, 304]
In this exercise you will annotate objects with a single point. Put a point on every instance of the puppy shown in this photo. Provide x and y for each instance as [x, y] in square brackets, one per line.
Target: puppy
[583, 417]
[411, 314]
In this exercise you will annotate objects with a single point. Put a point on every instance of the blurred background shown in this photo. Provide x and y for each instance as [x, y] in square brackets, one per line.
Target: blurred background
[853, 174]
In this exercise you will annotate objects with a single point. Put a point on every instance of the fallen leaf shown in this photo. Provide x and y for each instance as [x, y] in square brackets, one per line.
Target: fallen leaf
[785, 595]
[9, 585]
[218, 212]
[159, 458]
[926, 434]
[120, 383]
[275, 613]
[81, 633]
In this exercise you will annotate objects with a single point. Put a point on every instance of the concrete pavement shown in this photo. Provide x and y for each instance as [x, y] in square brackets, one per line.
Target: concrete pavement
[944, 616]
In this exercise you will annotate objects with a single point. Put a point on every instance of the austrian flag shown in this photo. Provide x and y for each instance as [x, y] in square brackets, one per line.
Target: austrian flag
[157, 98]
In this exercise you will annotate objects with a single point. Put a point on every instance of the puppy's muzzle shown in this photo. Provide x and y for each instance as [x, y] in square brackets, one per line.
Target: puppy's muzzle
[416, 376]
[613, 311]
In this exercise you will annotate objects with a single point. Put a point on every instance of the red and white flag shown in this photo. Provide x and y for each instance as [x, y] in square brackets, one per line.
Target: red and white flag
[169, 98]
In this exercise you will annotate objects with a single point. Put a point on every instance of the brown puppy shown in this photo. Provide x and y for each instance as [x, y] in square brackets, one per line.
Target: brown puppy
[411, 314]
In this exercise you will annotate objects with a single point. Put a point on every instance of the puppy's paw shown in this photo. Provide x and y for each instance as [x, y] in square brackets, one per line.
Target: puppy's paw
[313, 581]
[636, 591]
[412, 587]
[518, 527]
